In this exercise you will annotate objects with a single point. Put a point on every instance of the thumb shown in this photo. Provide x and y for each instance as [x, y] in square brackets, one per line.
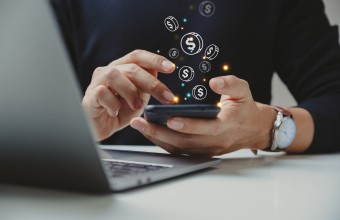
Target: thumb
[231, 87]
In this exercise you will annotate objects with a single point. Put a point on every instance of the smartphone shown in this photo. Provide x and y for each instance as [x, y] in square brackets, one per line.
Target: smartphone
[161, 113]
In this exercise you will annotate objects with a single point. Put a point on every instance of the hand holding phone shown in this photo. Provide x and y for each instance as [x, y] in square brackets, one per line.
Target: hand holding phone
[161, 113]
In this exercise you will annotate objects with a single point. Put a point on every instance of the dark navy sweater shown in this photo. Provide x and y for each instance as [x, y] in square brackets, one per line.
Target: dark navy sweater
[255, 38]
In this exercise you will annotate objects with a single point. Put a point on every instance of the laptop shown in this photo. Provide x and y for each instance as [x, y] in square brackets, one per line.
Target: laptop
[45, 138]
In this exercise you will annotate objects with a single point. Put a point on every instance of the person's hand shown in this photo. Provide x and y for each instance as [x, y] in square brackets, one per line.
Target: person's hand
[242, 123]
[118, 92]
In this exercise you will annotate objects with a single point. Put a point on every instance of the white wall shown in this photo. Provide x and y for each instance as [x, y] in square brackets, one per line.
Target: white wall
[280, 93]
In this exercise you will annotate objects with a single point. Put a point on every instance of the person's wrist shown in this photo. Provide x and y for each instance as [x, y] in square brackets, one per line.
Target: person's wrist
[265, 119]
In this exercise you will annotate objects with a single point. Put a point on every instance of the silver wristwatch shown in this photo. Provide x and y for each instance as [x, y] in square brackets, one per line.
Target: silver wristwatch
[284, 130]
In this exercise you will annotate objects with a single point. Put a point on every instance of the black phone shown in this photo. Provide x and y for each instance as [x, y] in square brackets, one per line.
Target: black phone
[161, 113]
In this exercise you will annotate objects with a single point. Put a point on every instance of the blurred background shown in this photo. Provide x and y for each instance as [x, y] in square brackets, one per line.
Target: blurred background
[280, 94]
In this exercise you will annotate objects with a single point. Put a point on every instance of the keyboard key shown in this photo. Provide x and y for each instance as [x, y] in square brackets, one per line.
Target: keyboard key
[120, 169]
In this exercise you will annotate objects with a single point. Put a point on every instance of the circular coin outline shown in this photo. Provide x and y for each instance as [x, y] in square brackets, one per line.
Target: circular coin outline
[174, 21]
[199, 39]
[214, 54]
[197, 87]
[191, 76]
[205, 62]
[170, 53]
[202, 5]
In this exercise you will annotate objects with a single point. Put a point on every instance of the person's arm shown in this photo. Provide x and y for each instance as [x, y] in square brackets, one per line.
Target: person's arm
[308, 62]
[304, 128]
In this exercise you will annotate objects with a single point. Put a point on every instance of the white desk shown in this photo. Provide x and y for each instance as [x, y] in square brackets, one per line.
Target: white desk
[242, 187]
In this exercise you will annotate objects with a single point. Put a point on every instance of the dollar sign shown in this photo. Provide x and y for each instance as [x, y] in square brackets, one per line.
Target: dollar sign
[189, 43]
[200, 92]
[208, 9]
[170, 25]
[210, 50]
[204, 67]
[185, 73]
[174, 53]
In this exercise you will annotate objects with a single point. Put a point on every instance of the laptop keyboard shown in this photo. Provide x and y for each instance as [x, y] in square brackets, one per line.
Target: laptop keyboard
[120, 168]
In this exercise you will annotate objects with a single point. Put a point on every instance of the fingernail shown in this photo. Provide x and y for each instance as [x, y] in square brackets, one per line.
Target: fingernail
[220, 83]
[169, 97]
[138, 103]
[176, 124]
[167, 65]
[138, 126]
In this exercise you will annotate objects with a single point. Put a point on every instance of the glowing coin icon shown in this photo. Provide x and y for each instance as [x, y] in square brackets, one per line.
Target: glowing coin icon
[192, 43]
[207, 8]
[199, 92]
[171, 23]
[173, 53]
[211, 52]
[186, 73]
[205, 66]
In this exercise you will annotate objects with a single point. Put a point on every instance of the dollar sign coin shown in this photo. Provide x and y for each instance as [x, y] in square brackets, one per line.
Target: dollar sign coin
[205, 66]
[211, 52]
[186, 73]
[171, 23]
[199, 92]
[173, 53]
[192, 43]
[207, 8]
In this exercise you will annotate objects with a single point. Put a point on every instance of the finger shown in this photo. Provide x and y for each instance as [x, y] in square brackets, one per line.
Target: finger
[209, 127]
[176, 142]
[147, 83]
[166, 135]
[231, 87]
[147, 60]
[108, 100]
[118, 83]
[102, 97]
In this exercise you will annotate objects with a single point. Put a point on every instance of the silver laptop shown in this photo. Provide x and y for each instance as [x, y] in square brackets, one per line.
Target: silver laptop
[45, 138]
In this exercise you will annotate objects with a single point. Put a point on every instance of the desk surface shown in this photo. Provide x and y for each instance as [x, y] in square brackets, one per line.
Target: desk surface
[243, 186]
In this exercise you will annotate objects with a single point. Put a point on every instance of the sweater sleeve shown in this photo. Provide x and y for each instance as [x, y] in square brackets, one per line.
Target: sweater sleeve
[307, 59]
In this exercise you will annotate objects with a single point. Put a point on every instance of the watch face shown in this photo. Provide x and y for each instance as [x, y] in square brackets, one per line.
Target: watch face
[285, 134]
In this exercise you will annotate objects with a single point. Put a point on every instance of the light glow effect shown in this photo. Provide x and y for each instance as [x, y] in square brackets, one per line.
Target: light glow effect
[225, 67]
[219, 104]
[176, 99]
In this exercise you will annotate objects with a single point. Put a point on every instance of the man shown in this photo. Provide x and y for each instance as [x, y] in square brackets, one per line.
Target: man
[257, 38]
